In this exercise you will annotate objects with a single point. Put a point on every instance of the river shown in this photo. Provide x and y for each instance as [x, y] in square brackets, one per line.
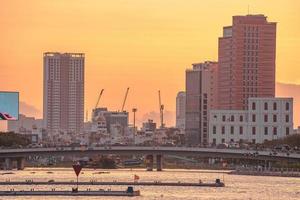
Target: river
[237, 186]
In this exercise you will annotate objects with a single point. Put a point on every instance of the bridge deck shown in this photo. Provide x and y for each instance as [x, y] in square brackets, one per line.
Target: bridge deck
[204, 152]
[154, 183]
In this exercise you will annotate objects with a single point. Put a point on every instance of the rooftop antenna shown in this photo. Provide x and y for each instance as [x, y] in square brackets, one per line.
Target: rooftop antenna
[248, 9]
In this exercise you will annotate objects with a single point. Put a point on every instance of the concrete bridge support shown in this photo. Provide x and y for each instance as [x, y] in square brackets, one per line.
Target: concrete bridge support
[159, 162]
[20, 163]
[7, 164]
[149, 162]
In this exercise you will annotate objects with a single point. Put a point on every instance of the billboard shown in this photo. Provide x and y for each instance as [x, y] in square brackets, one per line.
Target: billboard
[9, 105]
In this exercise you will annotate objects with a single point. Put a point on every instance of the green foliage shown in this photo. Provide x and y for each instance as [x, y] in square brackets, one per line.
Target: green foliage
[291, 140]
[11, 139]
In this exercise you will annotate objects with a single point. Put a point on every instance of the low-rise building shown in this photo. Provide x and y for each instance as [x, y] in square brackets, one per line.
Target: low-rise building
[265, 119]
[27, 126]
[149, 125]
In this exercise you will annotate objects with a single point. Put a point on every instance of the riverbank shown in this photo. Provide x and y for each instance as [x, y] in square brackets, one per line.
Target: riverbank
[266, 173]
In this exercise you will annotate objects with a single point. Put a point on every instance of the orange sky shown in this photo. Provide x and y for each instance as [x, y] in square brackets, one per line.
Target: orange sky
[142, 44]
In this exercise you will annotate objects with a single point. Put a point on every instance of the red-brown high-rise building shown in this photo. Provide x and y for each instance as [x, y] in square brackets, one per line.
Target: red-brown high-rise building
[246, 61]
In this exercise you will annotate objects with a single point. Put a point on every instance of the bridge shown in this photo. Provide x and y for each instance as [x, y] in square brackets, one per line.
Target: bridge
[149, 152]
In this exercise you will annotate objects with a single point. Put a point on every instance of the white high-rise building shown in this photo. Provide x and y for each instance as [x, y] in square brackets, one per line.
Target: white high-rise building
[63, 92]
[180, 110]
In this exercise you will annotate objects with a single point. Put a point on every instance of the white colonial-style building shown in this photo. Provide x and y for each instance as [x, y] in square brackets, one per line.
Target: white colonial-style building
[265, 119]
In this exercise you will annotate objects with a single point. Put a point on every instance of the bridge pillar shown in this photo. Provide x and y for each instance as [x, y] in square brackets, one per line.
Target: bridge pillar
[149, 162]
[269, 165]
[159, 161]
[7, 164]
[20, 163]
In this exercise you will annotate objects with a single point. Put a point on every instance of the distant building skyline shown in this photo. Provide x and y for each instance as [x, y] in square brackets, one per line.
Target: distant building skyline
[63, 92]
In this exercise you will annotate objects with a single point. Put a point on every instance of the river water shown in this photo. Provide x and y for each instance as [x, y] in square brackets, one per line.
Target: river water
[237, 186]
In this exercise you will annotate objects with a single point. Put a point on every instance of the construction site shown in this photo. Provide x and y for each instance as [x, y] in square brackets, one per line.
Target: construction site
[107, 127]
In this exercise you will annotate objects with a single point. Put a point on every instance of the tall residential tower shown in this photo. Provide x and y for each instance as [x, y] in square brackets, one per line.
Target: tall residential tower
[246, 61]
[63, 92]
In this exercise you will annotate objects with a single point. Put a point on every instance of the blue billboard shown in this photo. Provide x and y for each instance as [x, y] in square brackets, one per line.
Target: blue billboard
[9, 105]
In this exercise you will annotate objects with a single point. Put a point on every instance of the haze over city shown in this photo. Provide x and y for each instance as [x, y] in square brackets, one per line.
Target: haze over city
[142, 45]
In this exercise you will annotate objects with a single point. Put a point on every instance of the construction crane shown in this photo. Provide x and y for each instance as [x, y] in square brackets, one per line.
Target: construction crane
[99, 97]
[96, 106]
[124, 101]
[161, 111]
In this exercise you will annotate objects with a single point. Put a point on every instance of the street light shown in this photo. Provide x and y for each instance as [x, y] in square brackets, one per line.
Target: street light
[134, 110]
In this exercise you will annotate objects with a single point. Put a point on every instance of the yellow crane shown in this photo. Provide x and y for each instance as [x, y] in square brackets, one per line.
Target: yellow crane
[96, 106]
[161, 111]
[124, 101]
[99, 97]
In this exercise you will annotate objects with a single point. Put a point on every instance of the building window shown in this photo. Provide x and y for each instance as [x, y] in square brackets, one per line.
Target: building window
[241, 118]
[214, 141]
[265, 118]
[253, 130]
[231, 140]
[287, 106]
[287, 130]
[287, 118]
[241, 130]
[274, 130]
[253, 118]
[274, 106]
[253, 141]
[266, 130]
[266, 106]
[253, 106]
[232, 118]
[214, 129]
[223, 130]
[231, 130]
[223, 118]
[223, 140]
[274, 118]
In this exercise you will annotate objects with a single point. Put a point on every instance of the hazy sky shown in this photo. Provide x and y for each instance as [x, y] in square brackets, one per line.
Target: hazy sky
[142, 44]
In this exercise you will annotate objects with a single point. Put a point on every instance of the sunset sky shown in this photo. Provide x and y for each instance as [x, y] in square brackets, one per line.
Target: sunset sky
[142, 44]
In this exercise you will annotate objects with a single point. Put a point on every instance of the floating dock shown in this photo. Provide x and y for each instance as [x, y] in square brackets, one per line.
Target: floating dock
[70, 193]
[218, 183]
